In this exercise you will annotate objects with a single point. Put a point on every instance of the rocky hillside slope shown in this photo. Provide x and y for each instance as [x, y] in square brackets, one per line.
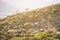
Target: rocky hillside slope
[31, 23]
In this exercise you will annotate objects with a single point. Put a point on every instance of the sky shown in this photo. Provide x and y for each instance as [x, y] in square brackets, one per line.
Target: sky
[9, 7]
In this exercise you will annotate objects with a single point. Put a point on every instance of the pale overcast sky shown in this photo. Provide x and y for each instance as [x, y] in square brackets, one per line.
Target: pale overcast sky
[8, 7]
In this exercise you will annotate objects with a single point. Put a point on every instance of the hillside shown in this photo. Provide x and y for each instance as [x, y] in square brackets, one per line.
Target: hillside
[29, 25]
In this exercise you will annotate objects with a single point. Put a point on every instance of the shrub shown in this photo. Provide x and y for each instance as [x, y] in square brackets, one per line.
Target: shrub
[42, 35]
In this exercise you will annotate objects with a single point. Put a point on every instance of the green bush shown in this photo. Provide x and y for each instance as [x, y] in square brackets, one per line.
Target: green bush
[42, 35]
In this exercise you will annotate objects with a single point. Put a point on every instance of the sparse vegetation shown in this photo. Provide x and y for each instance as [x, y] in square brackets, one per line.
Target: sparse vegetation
[39, 24]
